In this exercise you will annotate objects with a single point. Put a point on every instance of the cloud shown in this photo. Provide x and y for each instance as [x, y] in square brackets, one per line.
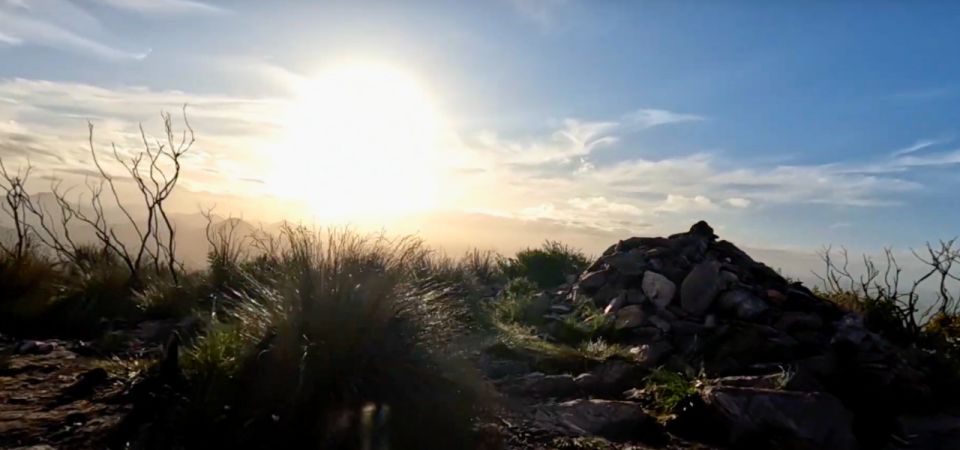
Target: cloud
[648, 118]
[9, 40]
[681, 203]
[59, 24]
[738, 202]
[575, 138]
[163, 6]
[45, 122]
[917, 146]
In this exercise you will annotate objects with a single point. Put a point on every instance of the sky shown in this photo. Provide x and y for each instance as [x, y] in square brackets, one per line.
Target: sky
[787, 125]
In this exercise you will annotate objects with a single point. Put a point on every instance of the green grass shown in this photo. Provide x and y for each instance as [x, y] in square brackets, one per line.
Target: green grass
[666, 391]
[548, 266]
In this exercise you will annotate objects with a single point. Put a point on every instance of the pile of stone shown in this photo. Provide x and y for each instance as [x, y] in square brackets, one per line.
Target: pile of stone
[777, 366]
[692, 301]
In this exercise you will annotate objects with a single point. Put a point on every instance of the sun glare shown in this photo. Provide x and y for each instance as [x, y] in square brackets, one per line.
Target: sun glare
[363, 140]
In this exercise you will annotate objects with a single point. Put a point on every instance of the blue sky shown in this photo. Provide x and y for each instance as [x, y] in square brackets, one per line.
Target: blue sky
[790, 124]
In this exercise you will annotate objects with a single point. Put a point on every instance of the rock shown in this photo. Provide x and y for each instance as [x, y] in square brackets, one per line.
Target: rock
[629, 317]
[740, 345]
[934, 432]
[660, 323]
[764, 418]
[615, 304]
[773, 381]
[628, 264]
[35, 348]
[728, 279]
[540, 385]
[650, 355]
[702, 229]
[84, 385]
[700, 287]
[792, 321]
[610, 377]
[495, 368]
[592, 281]
[742, 304]
[658, 288]
[635, 297]
[687, 327]
[615, 420]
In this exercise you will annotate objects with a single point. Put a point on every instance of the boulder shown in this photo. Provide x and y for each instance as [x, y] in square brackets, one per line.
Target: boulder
[700, 287]
[629, 317]
[540, 385]
[792, 321]
[658, 288]
[628, 264]
[742, 304]
[590, 282]
[650, 355]
[765, 418]
[610, 377]
[615, 420]
[660, 323]
[615, 304]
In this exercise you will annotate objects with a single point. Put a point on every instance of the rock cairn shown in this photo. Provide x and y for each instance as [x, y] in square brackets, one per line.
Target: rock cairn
[779, 366]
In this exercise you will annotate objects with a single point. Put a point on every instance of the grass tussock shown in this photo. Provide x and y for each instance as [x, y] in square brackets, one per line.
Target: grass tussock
[306, 357]
[548, 266]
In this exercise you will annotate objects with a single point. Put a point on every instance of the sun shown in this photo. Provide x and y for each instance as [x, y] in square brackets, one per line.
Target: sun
[362, 139]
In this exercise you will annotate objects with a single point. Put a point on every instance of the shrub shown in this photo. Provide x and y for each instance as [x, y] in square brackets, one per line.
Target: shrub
[547, 266]
[309, 357]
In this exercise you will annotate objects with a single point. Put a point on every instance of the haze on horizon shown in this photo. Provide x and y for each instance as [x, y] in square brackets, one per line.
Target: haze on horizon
[500, 124]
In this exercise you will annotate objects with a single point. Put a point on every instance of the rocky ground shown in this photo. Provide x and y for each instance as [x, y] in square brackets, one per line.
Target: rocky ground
[764, 363]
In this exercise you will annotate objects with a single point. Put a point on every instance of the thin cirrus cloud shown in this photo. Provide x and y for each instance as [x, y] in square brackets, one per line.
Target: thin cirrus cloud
[576, 139]
[62, 25]
[166, 7]
[65, 25]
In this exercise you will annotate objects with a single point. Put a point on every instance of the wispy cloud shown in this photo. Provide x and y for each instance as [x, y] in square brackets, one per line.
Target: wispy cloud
[59, 24]
[916, 146]
[45, 122]
[648, 118]
[576, 139]
[164, 6]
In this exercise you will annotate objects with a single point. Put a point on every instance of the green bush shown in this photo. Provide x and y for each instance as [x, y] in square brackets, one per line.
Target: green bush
[547, 266]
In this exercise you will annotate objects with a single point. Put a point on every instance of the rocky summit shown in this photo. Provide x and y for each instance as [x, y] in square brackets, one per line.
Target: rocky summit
[774, 365]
